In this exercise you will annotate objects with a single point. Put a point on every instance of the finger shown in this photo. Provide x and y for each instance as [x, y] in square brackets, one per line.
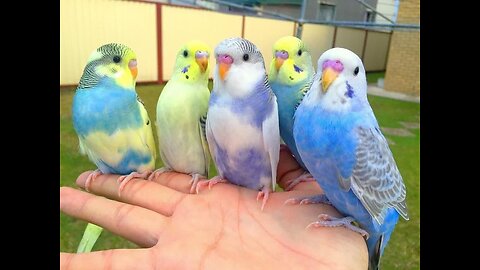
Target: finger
[114, 259]
[288, 169]
[139, 225]
[146, 194]
[178, 181]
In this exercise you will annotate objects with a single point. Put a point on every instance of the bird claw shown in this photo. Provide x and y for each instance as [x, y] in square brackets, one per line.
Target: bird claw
[305, 177]
[329, 221]
[90, 179]
[215, 180]
[320, 198]
[194, 181]
[124, 179]
[264, 193]
[158, 172]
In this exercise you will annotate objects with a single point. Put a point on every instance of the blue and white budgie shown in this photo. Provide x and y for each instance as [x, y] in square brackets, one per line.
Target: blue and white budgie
[181, 112]
[242, 120]
[110, 120]
[290, 76]
[339, 140]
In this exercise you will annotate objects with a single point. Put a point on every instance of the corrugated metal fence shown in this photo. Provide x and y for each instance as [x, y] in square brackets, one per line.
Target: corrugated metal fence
[156, 31]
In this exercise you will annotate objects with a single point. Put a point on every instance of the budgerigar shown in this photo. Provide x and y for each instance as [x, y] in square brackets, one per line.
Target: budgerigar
[181, 112]
[242, 120]
[291, 73]
[340, 141]
[111, 122]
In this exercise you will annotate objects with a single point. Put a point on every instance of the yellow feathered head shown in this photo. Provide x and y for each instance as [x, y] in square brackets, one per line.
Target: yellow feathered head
[291, 61]
[191, 63]
[115, 61]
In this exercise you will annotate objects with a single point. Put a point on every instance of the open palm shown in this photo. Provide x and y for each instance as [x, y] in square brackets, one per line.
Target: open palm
[221, 228]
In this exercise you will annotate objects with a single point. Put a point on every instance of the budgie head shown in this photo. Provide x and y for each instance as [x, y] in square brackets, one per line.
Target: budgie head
[239, 68]
[115, 61]
[292, 62]
[191, 63]
[340, 83]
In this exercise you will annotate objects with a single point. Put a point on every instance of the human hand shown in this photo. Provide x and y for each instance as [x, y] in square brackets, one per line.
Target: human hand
[221, 228]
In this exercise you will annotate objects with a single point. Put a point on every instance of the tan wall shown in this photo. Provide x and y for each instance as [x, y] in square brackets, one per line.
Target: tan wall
[409, 11]
[318, 39]
[86, 25]
[264, 32]
[403, 67]
[376, 51]
[180, 25]
[351, 39]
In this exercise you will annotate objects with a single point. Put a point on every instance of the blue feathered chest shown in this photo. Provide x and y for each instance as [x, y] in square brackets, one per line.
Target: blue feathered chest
[105, 107]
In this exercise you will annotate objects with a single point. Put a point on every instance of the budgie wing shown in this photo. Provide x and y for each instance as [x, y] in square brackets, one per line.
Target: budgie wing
[303, 91]
[147, 129]
[211, 142]
[271, 139]
[203, 140]
[375, 179]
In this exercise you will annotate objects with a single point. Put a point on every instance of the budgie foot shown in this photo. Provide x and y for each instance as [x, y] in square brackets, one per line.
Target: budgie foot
[158, 172]
[124, 179]
[321, 198]
[328, 221]
[194, 182]
[90, 178]
[265, 192]
[305, 177]
[215, 180]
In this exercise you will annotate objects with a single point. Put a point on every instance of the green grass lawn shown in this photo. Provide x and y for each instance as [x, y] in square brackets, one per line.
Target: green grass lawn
[372, 77]
[403, 251]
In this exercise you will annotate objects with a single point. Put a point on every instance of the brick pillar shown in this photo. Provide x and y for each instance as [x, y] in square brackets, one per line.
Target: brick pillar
[403, 66]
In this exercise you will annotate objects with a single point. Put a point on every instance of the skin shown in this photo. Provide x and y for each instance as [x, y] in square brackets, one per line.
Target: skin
[221, 228]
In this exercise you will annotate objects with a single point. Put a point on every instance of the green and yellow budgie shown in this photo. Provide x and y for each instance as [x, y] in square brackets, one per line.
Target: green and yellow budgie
[111, 122]
[290, 76]
[181, 113]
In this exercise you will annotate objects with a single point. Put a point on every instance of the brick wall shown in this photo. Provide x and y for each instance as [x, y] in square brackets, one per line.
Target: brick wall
[403, 66]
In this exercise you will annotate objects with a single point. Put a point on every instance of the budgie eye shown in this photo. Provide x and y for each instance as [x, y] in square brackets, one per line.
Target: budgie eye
[185, 53]
[355, 72]
[299, 52]
[245, 57]
[116, 59]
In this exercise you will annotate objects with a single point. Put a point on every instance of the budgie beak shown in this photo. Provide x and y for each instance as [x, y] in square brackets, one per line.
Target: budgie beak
[280, 57]
[132, 65]
[278, 63]
[202, 60]
[224, 62]
[328, 76]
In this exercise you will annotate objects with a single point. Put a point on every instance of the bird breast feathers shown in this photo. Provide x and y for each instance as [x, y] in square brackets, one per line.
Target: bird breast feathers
[122, 140]
[241, 79]
[227, 126]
